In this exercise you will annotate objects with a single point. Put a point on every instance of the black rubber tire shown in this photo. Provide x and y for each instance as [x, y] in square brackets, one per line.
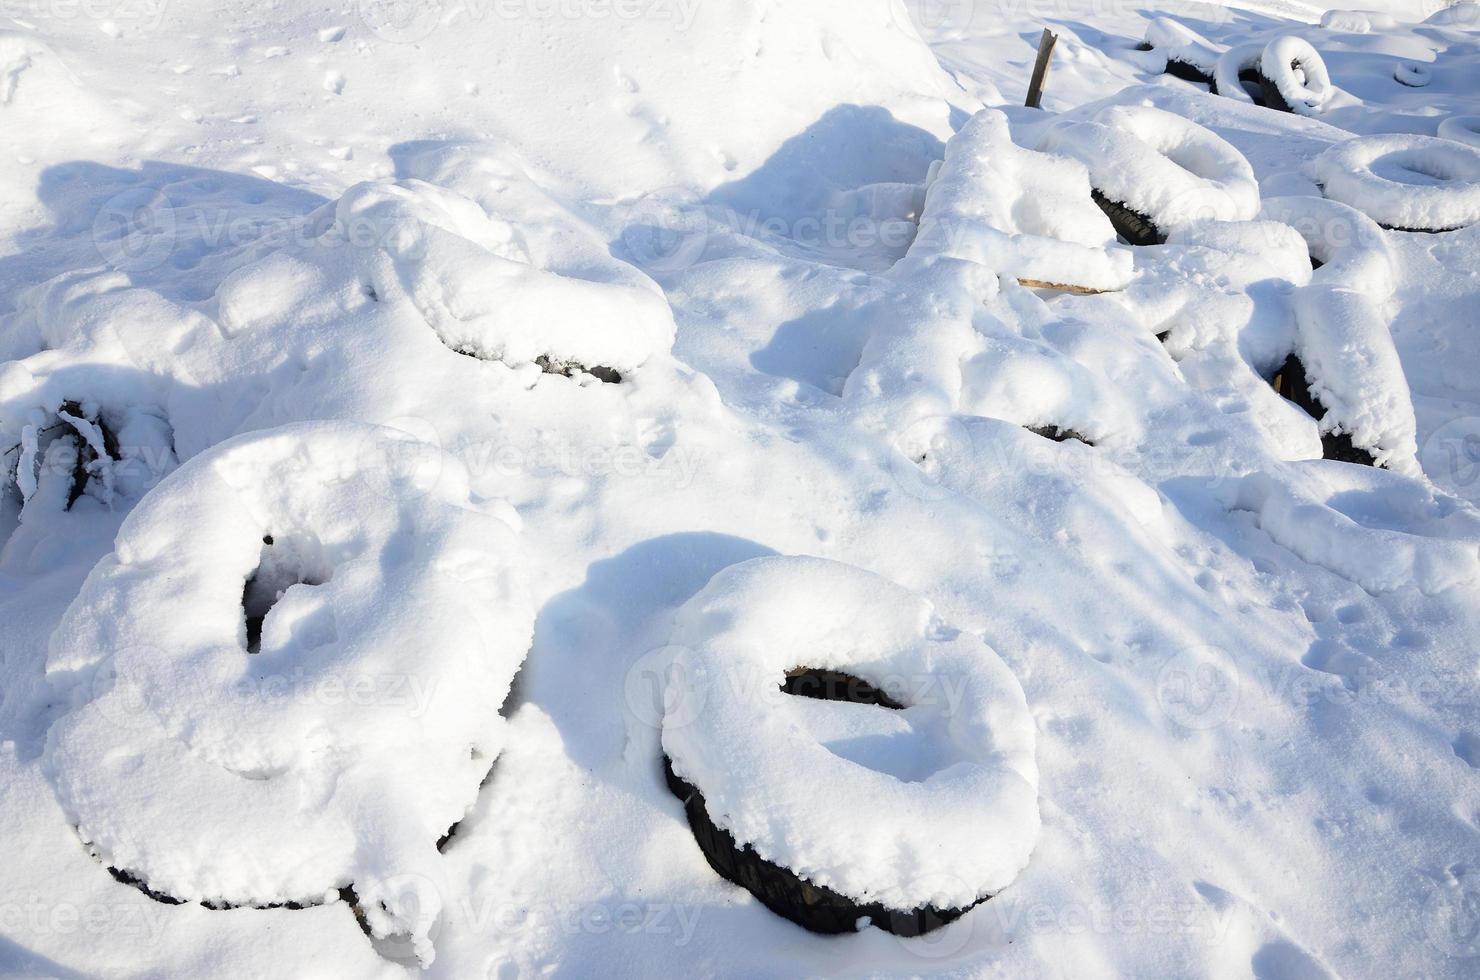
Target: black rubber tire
[1187, 71]
[813, 907]
[1134, 227]
[1293, 385]
[1272, 97]
[1057, 434]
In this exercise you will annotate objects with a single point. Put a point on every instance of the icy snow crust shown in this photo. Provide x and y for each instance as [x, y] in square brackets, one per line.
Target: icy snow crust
[339, 753]
[360, 280]
[959, 830]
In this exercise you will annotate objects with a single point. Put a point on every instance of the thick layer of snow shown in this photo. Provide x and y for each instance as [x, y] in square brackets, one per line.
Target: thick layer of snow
[1249, 672]
[1023, 214]
[1178, 42]
[395, 619]
[943, 813]
[1410, 182]
[1297, 71]
[1461, 129]
[1161, 165]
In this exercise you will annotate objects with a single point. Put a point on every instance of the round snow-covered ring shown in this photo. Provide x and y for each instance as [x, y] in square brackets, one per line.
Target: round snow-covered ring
[1295, 77]
[1461, 129]
[1165, 169]
[360, 728]
[1238, 63]
[1405, 182]
[1412, 74]
[825, 839]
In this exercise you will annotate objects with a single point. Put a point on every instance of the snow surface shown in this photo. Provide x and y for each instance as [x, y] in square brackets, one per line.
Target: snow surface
[356, 269]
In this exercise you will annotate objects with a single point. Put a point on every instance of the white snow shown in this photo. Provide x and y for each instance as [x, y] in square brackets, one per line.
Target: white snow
[1161, 165]
[1020, 213]
[1298, 72]
[694, 292]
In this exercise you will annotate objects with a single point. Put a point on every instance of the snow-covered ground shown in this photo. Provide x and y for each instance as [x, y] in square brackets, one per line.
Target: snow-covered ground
[406, 406]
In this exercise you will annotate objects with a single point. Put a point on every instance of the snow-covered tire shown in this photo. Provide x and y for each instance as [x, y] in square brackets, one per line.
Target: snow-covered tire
[1412, 74]
[1377, 174]
[1461, 129]
[1293, 385]
[1159, 170]
[823, 840]
[1189, 55]
[1305, 93]
[342, 751]
[1236, 65]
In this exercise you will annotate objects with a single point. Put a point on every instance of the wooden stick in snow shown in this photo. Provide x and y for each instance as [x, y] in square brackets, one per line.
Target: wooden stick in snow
[1040, 69]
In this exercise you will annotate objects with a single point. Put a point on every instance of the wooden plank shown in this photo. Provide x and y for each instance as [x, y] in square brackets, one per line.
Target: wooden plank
[1040, 69]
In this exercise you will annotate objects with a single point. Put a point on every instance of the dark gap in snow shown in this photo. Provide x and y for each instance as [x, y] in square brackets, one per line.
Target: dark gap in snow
[370, 293]
[1133, 227]
[834, 685]
[1254, 83]
[134, 881]
[1058, 434]
[568, 369]
[1293, 385]
[1187, 71]
[813, 907]
[452, 831]
[551, 365]
[278, 568]
[125, 877]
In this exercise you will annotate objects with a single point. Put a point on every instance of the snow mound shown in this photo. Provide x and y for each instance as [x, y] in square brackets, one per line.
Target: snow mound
[1297, 72]
[391, 622]
[404, 297]
[1350, 247]
[1320, 511]
[1019, 212]
[1182, 46]
[1411, 183]
[1461, 129]
[1156, 163]
[528, 282]
[34, 81]
[946, 837]
[1357, 21]
[1465, 15]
